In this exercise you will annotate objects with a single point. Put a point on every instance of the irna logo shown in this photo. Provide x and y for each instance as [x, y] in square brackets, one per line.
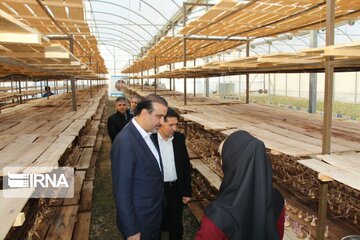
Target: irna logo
[37, 180]
[42, 182]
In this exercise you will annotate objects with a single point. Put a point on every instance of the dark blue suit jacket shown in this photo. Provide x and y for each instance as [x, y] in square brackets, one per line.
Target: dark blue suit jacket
[137, 184]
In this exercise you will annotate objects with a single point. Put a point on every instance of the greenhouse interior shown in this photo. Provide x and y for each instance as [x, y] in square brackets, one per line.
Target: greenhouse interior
[197, 119]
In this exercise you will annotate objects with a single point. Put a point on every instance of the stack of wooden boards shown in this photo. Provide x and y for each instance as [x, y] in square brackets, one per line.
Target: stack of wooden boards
[290, 132]
[46, 133]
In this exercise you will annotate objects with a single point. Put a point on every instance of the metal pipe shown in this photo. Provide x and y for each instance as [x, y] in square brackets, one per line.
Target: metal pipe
[247, 75]
[200, 4]
[142, 78]
[155, 74]
[195, 79]
[217, 39]
[170, 78]
[184, 52]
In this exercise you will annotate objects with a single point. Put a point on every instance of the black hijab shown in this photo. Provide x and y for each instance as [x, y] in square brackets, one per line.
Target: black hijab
[243, 208]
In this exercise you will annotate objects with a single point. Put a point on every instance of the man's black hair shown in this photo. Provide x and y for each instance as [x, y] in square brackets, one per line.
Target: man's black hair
[120, 99]
[147, 103]
[171, 113]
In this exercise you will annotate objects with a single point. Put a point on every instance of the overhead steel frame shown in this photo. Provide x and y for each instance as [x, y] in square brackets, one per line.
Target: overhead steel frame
[185, 37]
[185, 4]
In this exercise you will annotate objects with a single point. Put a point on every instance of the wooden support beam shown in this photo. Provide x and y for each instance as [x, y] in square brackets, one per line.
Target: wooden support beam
[322, 208]
[342, 52]
[20, 38]
[38, 55]
[329, 78]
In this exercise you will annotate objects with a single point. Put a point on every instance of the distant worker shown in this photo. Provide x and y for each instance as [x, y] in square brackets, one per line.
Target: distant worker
[118, 120]
[133, 102]
[47, 93]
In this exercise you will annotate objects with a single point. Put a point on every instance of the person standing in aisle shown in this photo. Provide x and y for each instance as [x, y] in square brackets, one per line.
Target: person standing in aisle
[133, 103]
[137, 173]
[247, 207]
[118, 120]
[177, 179]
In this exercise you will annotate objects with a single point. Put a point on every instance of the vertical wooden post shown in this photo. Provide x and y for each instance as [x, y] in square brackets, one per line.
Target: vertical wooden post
[73, 96]
[20, 97]
[73, 93]
[97, 72]
[174, 80]
[329, 77]
[27, 88]
[322, 208]
[47, 85]
[91, 88]
[41, 88]
[12, 87]
[91, 94]
[170, 79]
[194, 80]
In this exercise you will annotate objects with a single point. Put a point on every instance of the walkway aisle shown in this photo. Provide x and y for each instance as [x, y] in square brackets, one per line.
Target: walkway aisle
[103, 224]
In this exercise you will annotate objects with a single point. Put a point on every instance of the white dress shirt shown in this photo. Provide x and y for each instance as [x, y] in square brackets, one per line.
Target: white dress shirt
[148, 141]
[167, 157]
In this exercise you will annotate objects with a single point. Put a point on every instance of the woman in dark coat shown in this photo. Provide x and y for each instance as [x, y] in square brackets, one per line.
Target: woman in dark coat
[247, 206]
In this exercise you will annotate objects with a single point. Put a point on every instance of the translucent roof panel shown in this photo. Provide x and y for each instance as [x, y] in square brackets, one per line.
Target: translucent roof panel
[124, 27]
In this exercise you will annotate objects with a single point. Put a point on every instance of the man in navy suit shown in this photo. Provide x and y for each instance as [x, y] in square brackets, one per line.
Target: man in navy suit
[137, 172]
[177, 179]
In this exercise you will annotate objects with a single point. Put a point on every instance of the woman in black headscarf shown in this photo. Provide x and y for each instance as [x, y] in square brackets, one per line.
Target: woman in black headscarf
[247, 206]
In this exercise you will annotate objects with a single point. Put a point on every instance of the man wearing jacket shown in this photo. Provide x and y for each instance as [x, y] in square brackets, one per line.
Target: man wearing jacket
[137, 173]
[177, 180]
[118, 120]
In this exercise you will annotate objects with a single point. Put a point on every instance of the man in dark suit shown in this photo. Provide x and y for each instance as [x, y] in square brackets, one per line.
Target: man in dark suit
[137, 172]
[177, 180]
[118, 120]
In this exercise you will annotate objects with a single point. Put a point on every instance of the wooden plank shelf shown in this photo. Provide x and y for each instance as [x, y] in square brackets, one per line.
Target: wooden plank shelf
[11, 207]
[289, 136]
[337, 173]
[33, 143]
